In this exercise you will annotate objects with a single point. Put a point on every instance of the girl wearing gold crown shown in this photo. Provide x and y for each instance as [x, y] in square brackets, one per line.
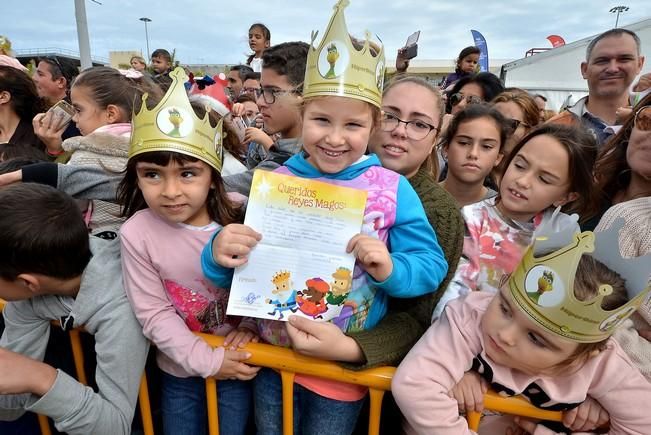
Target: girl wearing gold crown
[174, 199]
[342, 93]
[550, 345]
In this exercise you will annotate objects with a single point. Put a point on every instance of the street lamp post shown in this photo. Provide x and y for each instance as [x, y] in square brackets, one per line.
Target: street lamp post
[618, 10]
[146, 20]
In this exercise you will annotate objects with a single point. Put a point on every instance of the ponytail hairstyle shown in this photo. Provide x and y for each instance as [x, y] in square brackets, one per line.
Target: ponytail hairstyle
[109, 86]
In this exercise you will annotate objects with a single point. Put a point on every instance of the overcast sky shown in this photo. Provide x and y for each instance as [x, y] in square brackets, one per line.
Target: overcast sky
[216, 31]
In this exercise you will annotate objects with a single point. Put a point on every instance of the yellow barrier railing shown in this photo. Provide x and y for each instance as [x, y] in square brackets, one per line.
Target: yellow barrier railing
[288, 363]
[511, 405]
[78, 358]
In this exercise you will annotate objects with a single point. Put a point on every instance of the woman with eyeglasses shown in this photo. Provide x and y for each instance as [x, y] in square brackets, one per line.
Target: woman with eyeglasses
[521, 115]
[472, 90]
[405, 142]
[623, 167]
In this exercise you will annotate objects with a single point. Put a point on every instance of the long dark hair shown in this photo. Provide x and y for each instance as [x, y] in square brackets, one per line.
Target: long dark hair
[489, 83]
[25, 101]
[612, 170]
[220, 207]
[581, 148]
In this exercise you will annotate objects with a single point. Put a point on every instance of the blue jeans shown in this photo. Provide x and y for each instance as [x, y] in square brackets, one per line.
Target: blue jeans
[183, 404]
[313, 414]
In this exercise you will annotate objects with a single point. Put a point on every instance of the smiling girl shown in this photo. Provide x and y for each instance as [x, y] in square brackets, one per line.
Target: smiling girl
[174, 199]
[548, 169]
[340, 110]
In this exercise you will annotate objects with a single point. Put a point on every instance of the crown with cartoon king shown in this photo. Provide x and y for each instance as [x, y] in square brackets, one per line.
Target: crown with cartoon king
[542, 285]
[173, 126]
[280, 277]
[337, 68]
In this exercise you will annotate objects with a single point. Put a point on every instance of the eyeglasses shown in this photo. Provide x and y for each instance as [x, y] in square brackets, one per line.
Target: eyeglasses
[270, 94]
[415, 129]
[643, 119]
[459, 97]
[53, 60]
[513, 124]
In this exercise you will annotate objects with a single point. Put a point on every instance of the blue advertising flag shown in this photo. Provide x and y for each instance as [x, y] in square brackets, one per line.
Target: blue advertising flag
[480, 42]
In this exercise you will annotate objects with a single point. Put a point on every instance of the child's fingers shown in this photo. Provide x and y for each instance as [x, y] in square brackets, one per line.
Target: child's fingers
[229, 337]
[246, 372]
[230, 262]
[240, 230]
[525, 424]
[352, 243]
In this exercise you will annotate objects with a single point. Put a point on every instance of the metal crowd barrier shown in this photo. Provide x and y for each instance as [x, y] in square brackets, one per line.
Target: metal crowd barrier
[288, 363]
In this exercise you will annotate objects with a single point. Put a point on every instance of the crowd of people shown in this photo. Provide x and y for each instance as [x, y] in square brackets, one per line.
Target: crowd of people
[512, 247]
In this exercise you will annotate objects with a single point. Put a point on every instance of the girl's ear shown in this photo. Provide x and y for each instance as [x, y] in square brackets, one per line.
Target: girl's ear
[114, 114]
[498, 160]
[267, 44]
[571, 196]
[30, 281]
[5, 97]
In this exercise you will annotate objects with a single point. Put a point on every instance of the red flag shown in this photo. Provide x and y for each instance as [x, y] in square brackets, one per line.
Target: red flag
[556, 40]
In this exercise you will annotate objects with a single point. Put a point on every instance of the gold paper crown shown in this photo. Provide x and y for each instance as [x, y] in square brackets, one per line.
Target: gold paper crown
[543, 286]
[173, 126]
[337, 68]
[280, 277]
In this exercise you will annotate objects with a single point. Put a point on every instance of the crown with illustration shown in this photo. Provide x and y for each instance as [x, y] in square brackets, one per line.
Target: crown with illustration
[337, 68]
[280, 277]
[173, 126]
[543, 283]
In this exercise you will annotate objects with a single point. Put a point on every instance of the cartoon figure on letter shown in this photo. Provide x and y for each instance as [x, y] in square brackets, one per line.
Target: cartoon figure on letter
[340, 287]
[311, 301]
[285, 297]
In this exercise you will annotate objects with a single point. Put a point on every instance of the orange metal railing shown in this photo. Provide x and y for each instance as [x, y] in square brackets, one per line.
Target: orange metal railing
[288, 363]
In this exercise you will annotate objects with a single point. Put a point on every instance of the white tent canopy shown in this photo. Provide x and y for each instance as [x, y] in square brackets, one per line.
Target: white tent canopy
[556, 73]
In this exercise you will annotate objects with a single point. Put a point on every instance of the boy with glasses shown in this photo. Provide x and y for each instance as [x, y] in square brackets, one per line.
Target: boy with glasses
[279, 101]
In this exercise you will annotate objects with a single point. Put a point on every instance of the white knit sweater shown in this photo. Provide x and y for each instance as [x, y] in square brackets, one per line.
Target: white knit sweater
[634, 240]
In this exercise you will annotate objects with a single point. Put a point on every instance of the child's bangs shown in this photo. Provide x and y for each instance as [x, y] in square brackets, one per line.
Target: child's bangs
[164, 158]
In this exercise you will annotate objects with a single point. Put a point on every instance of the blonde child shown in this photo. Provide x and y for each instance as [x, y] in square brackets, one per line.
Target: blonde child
[174, 200]
[550, 168]
[336, 130]
[552, 346]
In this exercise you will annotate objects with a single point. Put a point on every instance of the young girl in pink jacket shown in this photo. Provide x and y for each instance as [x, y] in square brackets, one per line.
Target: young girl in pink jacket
[536, 339]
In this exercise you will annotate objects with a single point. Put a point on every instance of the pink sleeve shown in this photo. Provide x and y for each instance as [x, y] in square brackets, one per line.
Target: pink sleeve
[627, 398]
[432, 367]
[160, 322]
